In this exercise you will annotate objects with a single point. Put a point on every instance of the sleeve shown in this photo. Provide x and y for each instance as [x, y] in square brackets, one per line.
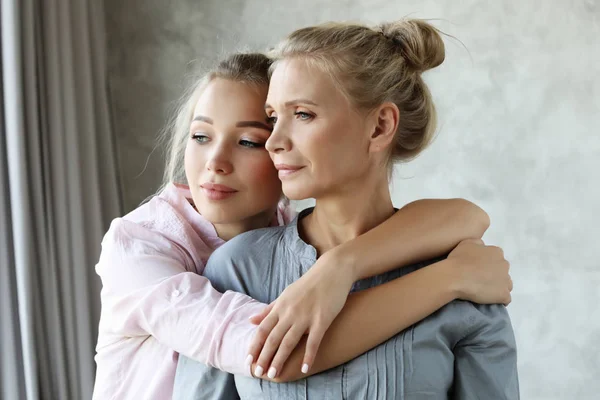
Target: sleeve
[486, 358]
[149, 290]
[229, 268]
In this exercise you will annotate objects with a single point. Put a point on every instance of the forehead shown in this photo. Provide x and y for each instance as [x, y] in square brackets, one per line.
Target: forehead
[298, 79]
[237, 99]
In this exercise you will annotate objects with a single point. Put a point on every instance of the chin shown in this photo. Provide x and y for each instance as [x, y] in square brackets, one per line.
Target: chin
[298, 192]
[217, 215]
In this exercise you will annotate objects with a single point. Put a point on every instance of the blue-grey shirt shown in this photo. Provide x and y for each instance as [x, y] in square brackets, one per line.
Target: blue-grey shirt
[463, 351]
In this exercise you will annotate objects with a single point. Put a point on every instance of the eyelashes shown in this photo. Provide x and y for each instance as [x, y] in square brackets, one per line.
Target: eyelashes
[301, 115]
[203, 139]
[251, 145]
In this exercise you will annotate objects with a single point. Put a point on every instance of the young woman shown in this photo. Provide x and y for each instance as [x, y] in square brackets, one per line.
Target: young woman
[156, 304]
[347, 101]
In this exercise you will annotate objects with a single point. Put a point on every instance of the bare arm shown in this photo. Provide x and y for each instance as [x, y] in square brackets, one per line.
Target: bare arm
[421, 230]
[374, 315]
[472, 271]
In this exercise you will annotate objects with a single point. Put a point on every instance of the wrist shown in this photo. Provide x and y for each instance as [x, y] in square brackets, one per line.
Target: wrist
[449, 270]
[346, 260]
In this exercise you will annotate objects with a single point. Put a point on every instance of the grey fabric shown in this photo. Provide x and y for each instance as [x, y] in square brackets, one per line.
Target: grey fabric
[59, 191]
[463, 351]
[191, 386]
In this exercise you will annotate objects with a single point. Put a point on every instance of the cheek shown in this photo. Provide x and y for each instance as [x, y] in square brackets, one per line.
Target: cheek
[192, 161]
[259, 173]
[336, 153]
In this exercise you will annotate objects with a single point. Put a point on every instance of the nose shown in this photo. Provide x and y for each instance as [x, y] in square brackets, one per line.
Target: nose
[279, 141]
[219, 161]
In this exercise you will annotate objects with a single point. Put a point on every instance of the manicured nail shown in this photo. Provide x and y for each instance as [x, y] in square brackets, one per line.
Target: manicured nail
[258, 371]
[304, 368]
[272, 372]
[249, 360]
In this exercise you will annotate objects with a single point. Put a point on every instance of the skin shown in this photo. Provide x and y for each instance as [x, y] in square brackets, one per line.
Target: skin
[226, 146]
[341, 153]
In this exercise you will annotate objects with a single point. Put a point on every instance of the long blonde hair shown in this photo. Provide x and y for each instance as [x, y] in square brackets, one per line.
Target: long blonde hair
[375, 65]
[249, 68]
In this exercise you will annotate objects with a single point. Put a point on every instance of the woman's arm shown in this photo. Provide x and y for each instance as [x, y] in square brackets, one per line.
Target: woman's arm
[421, 230]
[372, 316]
[149, 289]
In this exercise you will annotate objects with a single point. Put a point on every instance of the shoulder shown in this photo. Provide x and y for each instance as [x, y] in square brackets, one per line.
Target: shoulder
[154, 228]
[250, 244]
[246, 261]
[152, 221]
[480, 322]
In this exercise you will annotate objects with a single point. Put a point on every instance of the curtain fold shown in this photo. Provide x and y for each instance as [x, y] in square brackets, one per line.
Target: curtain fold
[60, 189]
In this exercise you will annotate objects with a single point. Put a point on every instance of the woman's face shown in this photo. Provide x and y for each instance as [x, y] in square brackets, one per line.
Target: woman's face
[320, 142]
[230, 174]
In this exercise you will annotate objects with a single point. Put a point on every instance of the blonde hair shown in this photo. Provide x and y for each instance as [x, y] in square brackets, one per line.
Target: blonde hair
[375, 65]
[249, 68]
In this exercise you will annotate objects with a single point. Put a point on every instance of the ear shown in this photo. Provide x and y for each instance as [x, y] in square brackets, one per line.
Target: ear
[386, 117]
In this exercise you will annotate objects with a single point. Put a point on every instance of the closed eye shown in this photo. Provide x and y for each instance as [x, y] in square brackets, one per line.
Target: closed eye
[251, 145]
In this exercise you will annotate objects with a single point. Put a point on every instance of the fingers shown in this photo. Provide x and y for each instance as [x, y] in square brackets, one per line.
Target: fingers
[288, 344]
[508, 299]
[312, 347]
[271, 345]
[473, 241]
[258, 318]
[262, 333]
[497, 250]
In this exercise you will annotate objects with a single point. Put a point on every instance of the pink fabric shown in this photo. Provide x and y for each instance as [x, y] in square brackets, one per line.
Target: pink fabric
[156, 304]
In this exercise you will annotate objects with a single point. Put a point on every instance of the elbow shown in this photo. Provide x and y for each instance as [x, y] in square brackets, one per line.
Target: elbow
[476, 217]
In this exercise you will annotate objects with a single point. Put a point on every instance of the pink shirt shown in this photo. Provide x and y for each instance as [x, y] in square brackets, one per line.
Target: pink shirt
[156, 304]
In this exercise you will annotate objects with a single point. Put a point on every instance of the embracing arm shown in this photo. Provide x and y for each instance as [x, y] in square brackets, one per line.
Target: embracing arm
[421, 230]
[371, 316]
[149, 289]
[374, 315]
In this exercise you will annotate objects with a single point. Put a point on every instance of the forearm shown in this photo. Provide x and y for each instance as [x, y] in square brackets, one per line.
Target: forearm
[186, 314]
[419, 231]
[372, 316]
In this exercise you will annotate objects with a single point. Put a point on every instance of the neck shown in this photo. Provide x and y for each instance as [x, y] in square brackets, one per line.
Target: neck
[347, 213]
[230, 230]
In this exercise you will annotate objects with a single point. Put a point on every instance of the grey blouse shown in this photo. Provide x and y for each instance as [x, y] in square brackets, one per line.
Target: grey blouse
[462, 351]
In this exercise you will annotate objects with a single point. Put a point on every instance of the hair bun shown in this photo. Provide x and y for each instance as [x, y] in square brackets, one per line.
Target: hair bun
[420, 43]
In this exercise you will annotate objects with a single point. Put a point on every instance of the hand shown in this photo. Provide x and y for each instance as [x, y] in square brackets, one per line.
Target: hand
[483, 272]
[307, 306]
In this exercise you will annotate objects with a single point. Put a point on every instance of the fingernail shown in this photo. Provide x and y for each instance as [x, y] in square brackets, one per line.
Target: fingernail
[249, 360]
[272, 372]
[304, 368]
[258, 371]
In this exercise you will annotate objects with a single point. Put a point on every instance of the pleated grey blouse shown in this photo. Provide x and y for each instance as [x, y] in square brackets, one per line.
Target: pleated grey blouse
[463, 351]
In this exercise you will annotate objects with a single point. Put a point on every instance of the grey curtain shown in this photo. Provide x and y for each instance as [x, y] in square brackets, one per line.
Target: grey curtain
[58, 193]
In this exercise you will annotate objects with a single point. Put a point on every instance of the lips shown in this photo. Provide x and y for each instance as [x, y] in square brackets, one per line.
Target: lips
[286, 170]
[215, 191]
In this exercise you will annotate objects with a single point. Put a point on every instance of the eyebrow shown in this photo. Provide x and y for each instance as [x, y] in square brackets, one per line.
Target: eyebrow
[295, 102]
[254, 124]
[202, 118]
[240, 124]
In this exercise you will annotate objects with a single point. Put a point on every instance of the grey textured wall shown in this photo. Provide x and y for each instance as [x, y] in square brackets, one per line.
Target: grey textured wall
[519, 135]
